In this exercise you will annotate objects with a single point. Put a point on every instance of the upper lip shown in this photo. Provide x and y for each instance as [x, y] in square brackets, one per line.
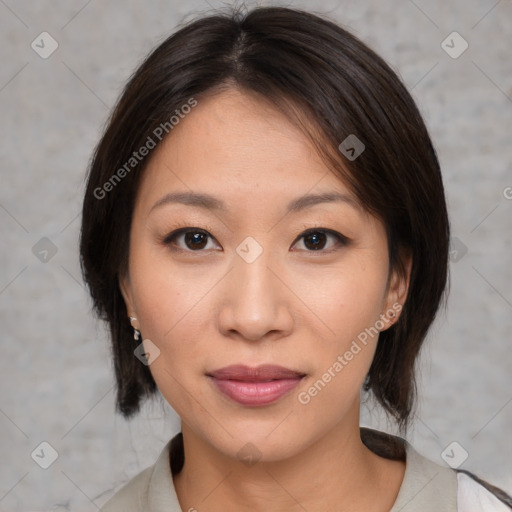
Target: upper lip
[260, 373]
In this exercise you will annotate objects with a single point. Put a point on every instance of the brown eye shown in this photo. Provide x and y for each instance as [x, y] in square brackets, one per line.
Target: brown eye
[189, 239]
[318, 239]
[315, 241]
[195, 240]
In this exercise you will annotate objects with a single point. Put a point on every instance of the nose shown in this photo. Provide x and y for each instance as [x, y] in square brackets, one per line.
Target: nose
[255, 303]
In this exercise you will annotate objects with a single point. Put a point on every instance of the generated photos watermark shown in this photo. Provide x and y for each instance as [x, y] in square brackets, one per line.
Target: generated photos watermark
[342, 361]
[138, 156]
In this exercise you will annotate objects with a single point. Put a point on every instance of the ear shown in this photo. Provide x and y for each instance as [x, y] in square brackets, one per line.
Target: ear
[127, 293]
[398, 288]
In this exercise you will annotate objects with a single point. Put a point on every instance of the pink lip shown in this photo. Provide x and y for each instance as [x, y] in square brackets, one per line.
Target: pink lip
[255, 386]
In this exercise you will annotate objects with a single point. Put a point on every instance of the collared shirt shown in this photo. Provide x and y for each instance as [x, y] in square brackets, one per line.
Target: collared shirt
[426, 486]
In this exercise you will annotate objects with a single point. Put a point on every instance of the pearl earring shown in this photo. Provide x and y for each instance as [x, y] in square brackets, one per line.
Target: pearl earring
[136, 332]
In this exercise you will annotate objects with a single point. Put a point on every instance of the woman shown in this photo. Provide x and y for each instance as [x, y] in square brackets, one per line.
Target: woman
[265, 232]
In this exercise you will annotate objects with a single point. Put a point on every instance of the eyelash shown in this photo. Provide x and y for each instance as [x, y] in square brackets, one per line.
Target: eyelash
[340, 239]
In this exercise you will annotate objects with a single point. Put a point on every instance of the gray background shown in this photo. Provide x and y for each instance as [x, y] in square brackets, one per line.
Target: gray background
[57, 378]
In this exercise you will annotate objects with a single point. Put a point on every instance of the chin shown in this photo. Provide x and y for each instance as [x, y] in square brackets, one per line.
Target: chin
[262, 441]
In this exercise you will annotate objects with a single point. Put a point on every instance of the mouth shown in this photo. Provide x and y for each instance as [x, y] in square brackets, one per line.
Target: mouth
[255, 386]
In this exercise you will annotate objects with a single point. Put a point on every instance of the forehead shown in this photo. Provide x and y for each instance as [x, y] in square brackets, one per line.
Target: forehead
[237, 146]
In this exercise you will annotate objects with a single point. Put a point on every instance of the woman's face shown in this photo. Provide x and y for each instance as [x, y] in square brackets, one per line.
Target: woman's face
[243, 285]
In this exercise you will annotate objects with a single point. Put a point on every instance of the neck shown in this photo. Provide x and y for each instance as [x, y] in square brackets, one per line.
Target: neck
[336, 472]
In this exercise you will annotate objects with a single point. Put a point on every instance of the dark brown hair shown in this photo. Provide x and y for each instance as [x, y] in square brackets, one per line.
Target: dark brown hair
[334, 86]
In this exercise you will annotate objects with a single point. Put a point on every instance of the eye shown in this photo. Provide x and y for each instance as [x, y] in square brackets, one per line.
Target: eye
[316, 239]
[195, 239]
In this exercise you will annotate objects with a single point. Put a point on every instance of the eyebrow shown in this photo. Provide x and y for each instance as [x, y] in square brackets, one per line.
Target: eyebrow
[210, 202]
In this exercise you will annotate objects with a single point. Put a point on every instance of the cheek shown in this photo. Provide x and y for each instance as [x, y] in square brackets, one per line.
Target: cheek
[349, 305]
[170, 311]
[173, 308]
[345, 299]
[166, 294]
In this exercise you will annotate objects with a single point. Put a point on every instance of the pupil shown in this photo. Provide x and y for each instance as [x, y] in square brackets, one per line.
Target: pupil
[195, 239]
[317, 241]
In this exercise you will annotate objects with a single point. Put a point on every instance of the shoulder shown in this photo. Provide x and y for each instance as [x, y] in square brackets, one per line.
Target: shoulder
[153, 488]
[475, 495]
[429, 486]
[132, 496]
[450, 489]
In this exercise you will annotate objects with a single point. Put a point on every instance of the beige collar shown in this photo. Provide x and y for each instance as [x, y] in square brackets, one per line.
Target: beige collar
[426, 486]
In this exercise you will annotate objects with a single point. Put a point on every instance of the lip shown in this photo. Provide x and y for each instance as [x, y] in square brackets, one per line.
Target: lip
[255, 386]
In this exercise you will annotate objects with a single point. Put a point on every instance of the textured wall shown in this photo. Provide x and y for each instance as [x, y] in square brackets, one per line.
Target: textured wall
[57, 379]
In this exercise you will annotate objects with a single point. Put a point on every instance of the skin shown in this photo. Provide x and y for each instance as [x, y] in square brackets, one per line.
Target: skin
[293, 306]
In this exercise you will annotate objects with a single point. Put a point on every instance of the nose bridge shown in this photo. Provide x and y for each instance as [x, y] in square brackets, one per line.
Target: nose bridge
[251, 269]
[255, 303]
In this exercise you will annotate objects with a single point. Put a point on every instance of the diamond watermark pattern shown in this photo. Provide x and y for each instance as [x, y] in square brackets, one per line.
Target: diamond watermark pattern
[44, 455]
[454, 45]
[351, 147]
[454, 455]
[147, 352]
[44, 45]
[44, 250]
[457, 249]
[249, 454]
[249, 250]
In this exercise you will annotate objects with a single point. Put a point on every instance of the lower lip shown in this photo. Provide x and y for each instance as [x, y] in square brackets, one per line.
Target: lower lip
[256, 393]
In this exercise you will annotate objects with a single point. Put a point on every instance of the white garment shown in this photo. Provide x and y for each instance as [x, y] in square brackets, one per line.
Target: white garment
[472, 497]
